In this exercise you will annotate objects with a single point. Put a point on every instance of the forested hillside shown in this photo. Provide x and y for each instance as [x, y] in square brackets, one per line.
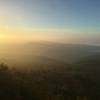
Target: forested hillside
[80, 81]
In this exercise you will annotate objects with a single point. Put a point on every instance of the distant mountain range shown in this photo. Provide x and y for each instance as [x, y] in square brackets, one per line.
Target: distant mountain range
[45, 53]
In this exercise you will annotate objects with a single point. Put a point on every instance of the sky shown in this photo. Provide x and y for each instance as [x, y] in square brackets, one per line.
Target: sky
[69, 21]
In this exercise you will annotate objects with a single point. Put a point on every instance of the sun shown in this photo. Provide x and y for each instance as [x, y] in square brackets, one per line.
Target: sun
[2, 37]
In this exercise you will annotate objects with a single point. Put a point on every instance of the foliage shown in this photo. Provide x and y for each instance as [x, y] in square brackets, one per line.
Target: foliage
[55, 84]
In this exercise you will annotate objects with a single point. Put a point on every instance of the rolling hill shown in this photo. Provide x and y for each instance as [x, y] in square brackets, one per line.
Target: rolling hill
[45, 53]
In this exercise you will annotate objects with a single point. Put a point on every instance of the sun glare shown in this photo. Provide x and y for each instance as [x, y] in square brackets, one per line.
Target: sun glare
[2, 38]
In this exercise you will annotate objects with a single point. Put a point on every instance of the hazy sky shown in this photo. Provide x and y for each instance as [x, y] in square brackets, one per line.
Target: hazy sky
[56, 20]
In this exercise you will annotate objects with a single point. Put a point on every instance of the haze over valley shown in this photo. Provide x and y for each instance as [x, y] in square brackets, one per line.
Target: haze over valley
[32, 53]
